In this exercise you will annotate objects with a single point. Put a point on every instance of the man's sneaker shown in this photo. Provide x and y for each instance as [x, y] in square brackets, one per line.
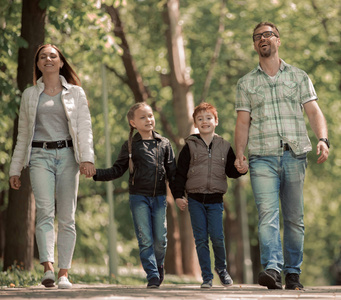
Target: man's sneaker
[153, 283]
[292, 282]
[207, 284]
[161, 273]
[271, 279]
[64, 283]
[48, 279]
[224, 277]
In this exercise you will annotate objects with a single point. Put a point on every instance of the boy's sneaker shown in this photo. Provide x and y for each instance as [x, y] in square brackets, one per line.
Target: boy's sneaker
[161, 273]
[292, 282]
[153, 283]
[271, 279]
[207, 284]
[224, 277]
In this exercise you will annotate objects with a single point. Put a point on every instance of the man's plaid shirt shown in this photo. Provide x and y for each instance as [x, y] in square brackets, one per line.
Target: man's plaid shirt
[276, 109]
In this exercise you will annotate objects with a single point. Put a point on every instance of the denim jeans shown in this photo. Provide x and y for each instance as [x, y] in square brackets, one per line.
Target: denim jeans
[274, 177]
[54, 175]
[207, 220]
[149, 216]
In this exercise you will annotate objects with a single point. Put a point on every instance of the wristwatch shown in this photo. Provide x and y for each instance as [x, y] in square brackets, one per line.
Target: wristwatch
[326, 141]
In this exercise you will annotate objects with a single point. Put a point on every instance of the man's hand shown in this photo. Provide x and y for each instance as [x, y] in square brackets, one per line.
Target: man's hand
[323, 149]
[241, 164]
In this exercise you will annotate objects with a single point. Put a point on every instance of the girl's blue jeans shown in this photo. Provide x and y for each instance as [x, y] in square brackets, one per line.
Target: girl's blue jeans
[207, 221]
[274, 177]
[149, 216]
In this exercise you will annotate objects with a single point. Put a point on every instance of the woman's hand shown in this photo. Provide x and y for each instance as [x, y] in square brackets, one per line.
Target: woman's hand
[15, 182]
[88, 169]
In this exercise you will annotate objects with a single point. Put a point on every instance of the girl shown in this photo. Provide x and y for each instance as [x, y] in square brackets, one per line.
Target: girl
[54, 140]
[150, 160]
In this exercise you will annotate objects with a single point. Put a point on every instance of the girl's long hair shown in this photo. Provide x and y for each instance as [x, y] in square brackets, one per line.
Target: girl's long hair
[130, 116]
[67, 71]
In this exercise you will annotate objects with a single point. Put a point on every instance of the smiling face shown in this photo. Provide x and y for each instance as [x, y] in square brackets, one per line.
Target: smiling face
[205, 122]
[143, 120]
[48, 60]
[266, 47]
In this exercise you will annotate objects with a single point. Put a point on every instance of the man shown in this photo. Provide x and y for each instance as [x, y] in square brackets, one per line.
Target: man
[269, 104]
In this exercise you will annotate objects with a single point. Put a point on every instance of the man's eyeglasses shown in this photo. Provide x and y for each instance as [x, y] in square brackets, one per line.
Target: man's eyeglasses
[265, 34]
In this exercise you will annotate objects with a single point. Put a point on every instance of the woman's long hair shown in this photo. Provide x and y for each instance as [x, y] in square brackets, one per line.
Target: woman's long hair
[130, 116]
[67, 71]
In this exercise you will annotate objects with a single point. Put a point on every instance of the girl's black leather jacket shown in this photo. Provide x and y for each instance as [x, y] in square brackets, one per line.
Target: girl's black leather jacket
[154, 162]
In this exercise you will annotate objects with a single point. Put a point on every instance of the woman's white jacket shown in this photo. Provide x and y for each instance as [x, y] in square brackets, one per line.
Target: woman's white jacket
[79, 123]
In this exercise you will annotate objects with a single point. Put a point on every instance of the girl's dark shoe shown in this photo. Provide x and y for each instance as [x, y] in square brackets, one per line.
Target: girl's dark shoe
[153, 283]
[271, 279]
[161, 273]
[292, 282]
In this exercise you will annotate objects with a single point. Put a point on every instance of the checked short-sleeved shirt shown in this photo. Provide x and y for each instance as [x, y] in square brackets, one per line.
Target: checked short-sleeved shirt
[276, 109]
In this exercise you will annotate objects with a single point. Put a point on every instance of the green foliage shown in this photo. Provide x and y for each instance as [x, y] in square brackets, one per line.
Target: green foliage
[15, 276]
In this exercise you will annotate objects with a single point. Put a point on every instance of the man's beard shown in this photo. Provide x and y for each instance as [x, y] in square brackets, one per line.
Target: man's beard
[266, 53]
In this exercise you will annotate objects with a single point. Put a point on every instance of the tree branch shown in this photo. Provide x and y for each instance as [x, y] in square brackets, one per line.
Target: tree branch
[216, 53]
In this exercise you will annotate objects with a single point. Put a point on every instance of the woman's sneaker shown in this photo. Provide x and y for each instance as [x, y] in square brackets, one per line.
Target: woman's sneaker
[48, 279]
[207, 284]
[224, 277]
[64, 283]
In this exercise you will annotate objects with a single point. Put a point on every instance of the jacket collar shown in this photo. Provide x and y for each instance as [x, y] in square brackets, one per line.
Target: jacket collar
[65, 84]
[137, 136]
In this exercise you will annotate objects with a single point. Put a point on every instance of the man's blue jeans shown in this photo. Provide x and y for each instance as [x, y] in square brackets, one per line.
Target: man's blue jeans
[274, 177]
[149, 216]
[207, 220]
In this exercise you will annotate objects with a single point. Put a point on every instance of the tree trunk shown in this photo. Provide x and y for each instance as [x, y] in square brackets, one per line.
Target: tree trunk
[21, 206]
[183, 105]
[134, 80]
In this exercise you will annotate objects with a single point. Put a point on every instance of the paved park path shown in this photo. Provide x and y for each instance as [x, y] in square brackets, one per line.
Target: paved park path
[169, 291]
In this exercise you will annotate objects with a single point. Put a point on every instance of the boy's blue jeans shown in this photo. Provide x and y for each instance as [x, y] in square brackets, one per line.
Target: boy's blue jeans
[274, 177]
[207, 220]
[149, 216]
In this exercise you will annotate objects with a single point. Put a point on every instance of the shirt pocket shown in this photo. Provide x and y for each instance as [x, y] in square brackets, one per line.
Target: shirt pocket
[257, 98]
[290, 89]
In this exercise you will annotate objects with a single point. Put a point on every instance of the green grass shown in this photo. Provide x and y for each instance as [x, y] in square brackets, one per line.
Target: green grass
[83, 273]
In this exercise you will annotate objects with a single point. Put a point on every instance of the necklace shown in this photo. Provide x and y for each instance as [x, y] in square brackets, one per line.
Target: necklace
[52, 90]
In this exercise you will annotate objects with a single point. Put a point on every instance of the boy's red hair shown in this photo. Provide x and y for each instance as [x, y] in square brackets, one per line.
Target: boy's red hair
[204, 106]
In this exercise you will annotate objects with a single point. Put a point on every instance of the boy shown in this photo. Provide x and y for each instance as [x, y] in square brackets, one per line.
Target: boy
[203, 164]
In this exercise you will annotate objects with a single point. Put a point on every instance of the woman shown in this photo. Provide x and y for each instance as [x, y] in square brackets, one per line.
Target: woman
[54, 141]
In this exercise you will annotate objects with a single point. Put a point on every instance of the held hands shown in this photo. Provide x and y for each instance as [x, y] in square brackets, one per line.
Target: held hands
[15, 182]
[323, 149]
[88, 169]
[241, 164]
[182, 203]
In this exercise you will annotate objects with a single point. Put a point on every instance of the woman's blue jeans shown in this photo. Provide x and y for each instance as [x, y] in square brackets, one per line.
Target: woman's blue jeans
[274, 177]
[149, 216]
[207, 220]
[54, 175]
